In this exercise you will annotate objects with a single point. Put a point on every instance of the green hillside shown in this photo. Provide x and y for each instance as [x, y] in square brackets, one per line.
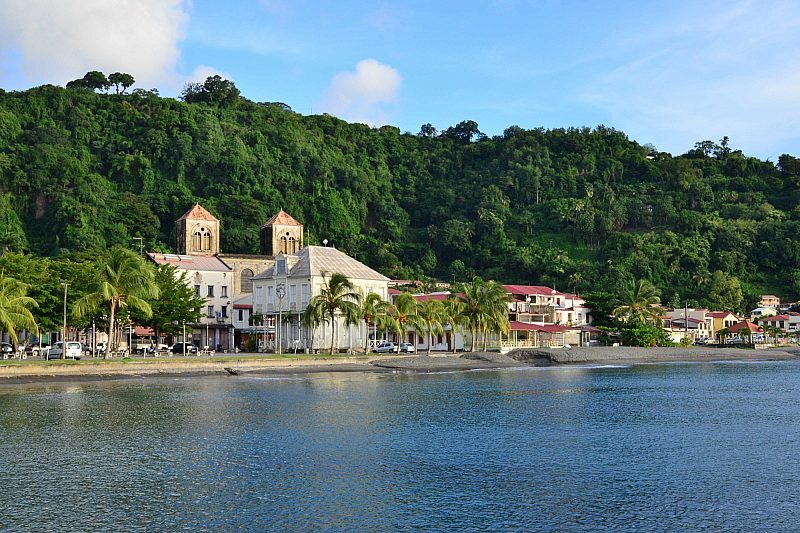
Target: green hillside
[581, 209]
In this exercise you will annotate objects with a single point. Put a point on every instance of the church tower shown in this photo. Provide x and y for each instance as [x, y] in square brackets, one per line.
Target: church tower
[281, 235]
[197, 232]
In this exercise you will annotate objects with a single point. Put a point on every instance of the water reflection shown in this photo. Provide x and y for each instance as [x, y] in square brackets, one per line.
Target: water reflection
[645, 447]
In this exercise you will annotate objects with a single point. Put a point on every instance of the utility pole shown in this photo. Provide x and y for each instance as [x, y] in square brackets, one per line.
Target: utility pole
[64, 327]
[141, 244]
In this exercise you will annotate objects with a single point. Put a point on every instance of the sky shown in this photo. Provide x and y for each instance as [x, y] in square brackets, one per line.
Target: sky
[669, 73]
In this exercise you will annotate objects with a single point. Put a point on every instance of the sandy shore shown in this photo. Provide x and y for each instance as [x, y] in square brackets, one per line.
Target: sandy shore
[31, 371]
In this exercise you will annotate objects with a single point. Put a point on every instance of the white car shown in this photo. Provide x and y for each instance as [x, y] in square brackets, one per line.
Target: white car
[73, 350]
[407, 347]
[385, 347]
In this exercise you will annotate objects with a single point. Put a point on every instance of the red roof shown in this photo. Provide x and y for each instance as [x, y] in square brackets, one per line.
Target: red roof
[744, 324]
[775, 318]
[392, 291]
[547, 328]
[141, 331]
[532, 289]
[198, 212]
[441, 296]
[242, 306]
[281, 218]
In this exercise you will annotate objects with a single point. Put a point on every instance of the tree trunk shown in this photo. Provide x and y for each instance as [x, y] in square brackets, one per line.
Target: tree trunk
[430, 341]
[110, 330]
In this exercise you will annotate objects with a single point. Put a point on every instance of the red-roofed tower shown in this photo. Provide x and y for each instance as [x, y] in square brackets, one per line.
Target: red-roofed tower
[197, 232]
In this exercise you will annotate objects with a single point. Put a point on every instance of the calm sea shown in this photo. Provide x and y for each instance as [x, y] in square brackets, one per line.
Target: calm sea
[682, 447]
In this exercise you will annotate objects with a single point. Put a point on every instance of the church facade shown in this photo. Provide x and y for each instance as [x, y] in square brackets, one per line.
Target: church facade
[226, 280]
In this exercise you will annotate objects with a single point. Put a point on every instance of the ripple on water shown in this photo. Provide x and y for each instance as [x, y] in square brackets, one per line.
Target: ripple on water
[687, 447]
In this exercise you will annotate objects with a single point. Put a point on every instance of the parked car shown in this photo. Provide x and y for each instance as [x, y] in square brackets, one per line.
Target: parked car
[36, 349]
[100, 348]
[385, 347]
[407, 347]
[7, 350]
[178, 348]
[72, 350]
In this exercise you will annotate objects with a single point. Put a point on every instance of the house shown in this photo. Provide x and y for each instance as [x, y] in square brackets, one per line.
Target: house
[211, 279]
[558, 316]
[721, 320]
[769, 300]
[745, 328]
[282, 292]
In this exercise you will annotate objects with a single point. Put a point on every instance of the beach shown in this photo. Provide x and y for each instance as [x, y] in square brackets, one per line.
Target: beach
[27, 371]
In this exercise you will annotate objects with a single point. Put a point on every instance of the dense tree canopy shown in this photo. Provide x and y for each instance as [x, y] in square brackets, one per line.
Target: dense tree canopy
[579, 208]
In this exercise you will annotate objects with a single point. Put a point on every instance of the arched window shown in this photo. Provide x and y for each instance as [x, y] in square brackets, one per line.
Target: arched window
[283, 249]
[292, 245]
[206, 240]
[197, 242]
[247, 280]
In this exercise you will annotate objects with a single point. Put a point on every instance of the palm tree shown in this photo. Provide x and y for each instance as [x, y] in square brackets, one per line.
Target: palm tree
[311, 320]
[485, 308]
[125, 281]
[431, 314]
[639, 304]
[470, 298]
[495, 310]
[403, 314]
[336, 295]
[373, 311]
[453, 315]
[15, 307]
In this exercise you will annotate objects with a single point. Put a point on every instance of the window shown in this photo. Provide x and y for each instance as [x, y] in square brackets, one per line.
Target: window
[247, 280]
[224, 291]
[241, 315]
[304, 293]
[210, 291]
[270, 299]
[224, 311]
[210, 311]
[280, 267]
[259, 296]
[292, 294]
[197, 290]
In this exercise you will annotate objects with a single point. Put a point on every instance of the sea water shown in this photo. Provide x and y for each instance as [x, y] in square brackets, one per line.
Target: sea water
[711, 446]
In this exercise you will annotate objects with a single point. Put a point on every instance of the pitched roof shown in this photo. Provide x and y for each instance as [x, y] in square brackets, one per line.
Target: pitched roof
[198, 212]
[744, 324]
[775, 318]
[547, 328]
[281, 218]
[532, 289]
[441, 296]
[190, 262]
[314, 260]
[719, 314]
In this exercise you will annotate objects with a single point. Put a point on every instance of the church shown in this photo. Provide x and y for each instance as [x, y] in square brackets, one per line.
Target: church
[226, 281]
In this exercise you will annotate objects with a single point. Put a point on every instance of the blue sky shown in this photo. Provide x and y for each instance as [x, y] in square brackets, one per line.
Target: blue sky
[669, 73]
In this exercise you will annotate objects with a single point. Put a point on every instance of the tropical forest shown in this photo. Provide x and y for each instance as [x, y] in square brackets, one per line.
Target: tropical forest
[100, 163]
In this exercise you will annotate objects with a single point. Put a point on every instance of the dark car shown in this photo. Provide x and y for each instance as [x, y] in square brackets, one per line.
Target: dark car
[178, 348]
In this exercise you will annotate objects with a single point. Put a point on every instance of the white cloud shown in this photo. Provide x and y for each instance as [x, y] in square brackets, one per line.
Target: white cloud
[62, 40]
[360, 96]
[712, 70]
[201, 72]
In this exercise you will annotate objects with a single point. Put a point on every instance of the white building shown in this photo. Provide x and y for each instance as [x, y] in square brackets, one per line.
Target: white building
[282, 292]
[210, 279]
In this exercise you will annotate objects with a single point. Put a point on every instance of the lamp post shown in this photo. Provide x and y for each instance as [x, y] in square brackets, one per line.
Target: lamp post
[184, 337]
[94, 340]
[64, 327]
[280, 291]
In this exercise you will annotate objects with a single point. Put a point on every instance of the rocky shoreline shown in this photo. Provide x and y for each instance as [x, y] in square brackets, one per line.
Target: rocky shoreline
[160, 367]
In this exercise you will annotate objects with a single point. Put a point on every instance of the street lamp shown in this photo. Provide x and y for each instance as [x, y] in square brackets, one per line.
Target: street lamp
[280, 291]
[64, 329]
[184, 337]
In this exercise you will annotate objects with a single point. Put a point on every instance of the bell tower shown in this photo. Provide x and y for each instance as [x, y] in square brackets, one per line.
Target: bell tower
[281, 234]
[197, 232]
